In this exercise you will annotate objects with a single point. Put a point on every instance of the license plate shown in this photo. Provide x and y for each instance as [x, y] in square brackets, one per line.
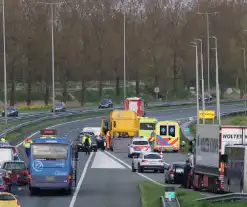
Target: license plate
[153, 162]
[50, 178]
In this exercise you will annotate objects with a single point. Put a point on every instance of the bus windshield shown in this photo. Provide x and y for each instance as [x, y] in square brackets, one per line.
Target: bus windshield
[50, 151]
[147, 126]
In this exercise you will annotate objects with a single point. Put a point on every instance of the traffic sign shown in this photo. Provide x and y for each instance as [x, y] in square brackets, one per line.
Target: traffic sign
[187, 130]
[157, 90]
[208, 114]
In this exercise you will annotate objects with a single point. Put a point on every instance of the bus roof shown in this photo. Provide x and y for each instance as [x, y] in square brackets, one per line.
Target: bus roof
[52, 140]
[148, 120]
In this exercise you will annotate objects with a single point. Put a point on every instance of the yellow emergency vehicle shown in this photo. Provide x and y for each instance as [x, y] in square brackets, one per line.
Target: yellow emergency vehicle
[120, 123]
[147, 126]
[167, 136]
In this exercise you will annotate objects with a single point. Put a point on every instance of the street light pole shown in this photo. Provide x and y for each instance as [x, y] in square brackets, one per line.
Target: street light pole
[124, 53]
[217, 79]
[203, 96]
[208, 54]
[194, 44]
[52, 48]
[244, 56]
[5, 70]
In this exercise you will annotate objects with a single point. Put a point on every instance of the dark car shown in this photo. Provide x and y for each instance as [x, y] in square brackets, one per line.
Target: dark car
[174, 172]
[207, 98]
[80, 146]
[105, 103]
[59, 107]
[11, 111]
[20, 167]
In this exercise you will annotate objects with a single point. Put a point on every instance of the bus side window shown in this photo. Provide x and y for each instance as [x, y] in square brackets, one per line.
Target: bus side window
[163, 130]
[171, 131]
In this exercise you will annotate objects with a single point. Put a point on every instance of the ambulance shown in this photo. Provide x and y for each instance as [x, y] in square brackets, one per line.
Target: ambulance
[167, 136]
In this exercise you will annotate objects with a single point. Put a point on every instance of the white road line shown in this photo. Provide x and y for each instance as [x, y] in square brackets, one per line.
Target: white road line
[128, 166]
[78, 187]
[104, 161]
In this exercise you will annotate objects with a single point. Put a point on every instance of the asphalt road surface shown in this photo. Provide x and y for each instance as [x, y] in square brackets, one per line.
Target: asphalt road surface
[105, 179]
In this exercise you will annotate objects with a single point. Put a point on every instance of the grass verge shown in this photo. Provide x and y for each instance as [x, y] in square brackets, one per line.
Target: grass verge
[151, 192]
[37, 126]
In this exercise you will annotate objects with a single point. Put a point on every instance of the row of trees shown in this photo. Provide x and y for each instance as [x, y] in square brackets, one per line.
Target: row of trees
[89, 42]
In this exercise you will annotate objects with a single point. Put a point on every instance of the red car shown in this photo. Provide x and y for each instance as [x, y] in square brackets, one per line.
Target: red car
[20, 167]
[6, 177]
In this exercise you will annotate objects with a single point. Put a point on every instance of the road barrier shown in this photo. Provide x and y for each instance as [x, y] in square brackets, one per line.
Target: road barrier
[226, 197]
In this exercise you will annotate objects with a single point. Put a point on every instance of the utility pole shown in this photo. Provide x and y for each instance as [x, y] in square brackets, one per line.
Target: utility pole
[194, 44]
[208, 46]
[244, 58]
[203, 96]
[52, 48]
[217, 78]
[5, 69]
[124, 51]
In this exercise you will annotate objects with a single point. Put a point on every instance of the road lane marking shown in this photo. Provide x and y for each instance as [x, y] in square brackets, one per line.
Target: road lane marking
[78, 186]
[104, 161]
[128, 166]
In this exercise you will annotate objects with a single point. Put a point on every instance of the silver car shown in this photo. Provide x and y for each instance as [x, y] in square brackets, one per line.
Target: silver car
[148, 161]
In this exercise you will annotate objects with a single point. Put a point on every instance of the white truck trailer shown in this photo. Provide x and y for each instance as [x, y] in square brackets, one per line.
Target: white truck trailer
[210, 157]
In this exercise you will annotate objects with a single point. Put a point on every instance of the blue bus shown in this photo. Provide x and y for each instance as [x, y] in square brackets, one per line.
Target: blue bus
[52, 165]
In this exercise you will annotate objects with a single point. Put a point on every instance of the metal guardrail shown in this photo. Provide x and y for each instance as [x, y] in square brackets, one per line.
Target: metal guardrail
[188, 135]
[226, 197]
[169, 204]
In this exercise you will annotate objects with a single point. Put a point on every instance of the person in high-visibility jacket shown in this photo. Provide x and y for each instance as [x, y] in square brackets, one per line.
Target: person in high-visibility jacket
[108, 139]
[27, 145]
[3, 139]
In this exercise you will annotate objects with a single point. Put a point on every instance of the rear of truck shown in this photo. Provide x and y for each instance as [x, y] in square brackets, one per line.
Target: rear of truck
[210, 159]
[208, 170]
[124, 126]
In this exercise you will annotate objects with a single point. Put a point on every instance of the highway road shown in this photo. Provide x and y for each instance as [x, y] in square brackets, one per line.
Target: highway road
[105, 177]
